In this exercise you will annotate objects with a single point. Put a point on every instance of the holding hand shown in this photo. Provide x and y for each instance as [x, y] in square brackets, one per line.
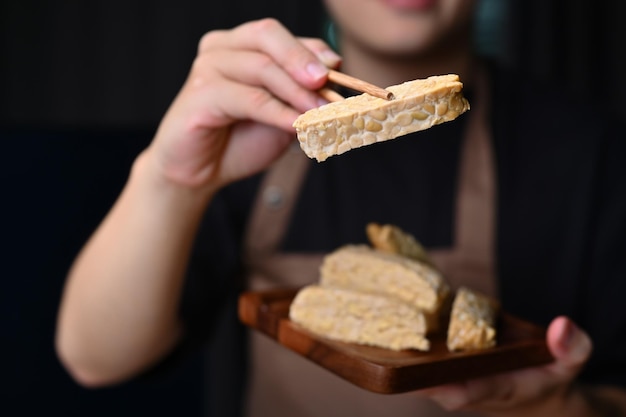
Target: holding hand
[233, 116]
[542, 391]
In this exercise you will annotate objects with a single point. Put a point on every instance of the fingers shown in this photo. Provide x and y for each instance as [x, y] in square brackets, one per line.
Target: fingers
[260, 106]
[227, 101]
[322, 51]
[483, 392]
[265, 73]
[259, 71]
[449, 397]
[273, 39]
[530, 387]
[251, 156]
[247, 81]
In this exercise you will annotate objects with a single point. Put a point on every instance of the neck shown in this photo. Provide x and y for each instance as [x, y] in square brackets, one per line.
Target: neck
[386, 69]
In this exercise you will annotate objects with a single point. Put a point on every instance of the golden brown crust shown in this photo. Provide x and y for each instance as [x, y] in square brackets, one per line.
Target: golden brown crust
[357, 121]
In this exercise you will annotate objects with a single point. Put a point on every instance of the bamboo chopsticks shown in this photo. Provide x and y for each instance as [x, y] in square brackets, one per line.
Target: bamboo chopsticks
[358, 85]
[330, 94]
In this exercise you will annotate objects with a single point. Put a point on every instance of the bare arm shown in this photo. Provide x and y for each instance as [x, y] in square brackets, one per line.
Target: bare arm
[119, 307]
[231, 119]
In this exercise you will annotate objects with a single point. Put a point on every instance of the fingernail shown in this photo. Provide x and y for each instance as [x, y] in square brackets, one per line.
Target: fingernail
[316, 70]
[330, 58]
[568, 335]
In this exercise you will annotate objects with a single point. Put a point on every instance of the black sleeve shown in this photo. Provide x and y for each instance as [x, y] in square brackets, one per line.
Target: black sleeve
[604, 309]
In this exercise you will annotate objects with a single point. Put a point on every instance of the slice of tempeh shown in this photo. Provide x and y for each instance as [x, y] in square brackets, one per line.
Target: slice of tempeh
[390, 238]
[337, 127]
[361, 268]
[354, 317]
[472, 321]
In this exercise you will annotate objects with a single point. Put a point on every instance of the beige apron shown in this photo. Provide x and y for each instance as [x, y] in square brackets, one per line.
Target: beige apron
[284, 384]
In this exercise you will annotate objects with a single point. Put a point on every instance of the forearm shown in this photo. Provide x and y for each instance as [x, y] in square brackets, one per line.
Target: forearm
[119, 309]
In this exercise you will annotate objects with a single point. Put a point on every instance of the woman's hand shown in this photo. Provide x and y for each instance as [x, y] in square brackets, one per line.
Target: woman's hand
[542, 391]
[234, 114]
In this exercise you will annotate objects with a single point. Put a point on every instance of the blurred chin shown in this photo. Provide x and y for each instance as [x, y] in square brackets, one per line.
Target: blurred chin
[399, 39]
[401, 26]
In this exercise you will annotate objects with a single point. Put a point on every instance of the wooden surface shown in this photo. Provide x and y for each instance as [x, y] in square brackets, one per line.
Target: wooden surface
[520, 344]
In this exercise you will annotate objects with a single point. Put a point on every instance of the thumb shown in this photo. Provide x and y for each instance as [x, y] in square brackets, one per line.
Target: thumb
[570, 346]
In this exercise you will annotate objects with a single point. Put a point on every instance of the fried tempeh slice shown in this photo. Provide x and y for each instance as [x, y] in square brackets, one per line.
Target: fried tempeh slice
[472, 321]
[361, 268]
[354, 317]
[337, 127]
[392, 239]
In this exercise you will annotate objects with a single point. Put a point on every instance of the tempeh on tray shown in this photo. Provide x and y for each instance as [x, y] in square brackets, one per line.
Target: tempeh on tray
[383, 295]
[362, 318]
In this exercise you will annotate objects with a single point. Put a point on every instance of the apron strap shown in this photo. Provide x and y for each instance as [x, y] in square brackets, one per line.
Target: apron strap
[273, 206]
[268, 223]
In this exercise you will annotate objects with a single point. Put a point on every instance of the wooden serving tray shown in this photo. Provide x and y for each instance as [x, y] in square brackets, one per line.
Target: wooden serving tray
[520, 344]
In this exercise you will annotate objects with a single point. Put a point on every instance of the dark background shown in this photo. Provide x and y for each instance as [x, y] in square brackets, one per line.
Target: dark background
[82, 87]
